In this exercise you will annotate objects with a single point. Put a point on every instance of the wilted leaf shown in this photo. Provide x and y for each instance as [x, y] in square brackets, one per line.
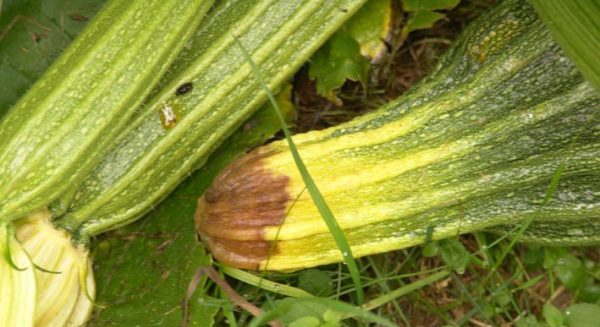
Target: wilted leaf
[370, 26]
[339, 59]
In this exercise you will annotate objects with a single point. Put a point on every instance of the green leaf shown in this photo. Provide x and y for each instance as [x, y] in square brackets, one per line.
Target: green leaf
[339, 59]
[306, 322]
[32, 34]
[502, 297]
[534, 257]
[203, 310]
[590, 293]
[316, 282]
[422, 20]
[146, 267]
[574, 25]
[551, 256]
[583, 315]
[332, 318]
[529, 321]
[570, 271]
[421, 5]
[455, 255]
[370, 26]
[553, 316]
[431, 249]
[289, 310]
[528, 283]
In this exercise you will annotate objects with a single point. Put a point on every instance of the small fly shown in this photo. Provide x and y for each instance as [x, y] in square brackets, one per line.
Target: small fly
[184, 88]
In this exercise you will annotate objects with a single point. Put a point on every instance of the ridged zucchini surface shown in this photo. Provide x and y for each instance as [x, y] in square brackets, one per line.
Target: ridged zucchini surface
[63, 126]
[207, 94]
[474, 146]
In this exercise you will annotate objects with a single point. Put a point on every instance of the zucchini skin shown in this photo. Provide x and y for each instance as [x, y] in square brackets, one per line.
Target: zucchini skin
[63, 126]
[473, 146]
[150, 158]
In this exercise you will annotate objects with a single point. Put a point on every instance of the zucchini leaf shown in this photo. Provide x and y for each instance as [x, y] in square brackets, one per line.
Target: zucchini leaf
[146, 267]
[422, 20]
[428, 5]
[371, 26]
[32, 34]
[575, 26]
[142, 270]
[344, 56]
[422, 14]
[339, 59]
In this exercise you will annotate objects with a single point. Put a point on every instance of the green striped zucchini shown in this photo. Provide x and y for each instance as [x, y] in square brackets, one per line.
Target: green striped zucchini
[474, 146]
[64, 125]
[207, 94]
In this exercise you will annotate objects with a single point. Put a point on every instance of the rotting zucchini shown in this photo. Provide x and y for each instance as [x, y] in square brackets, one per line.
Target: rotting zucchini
[63, 126]
[474, 146]
[206, 95]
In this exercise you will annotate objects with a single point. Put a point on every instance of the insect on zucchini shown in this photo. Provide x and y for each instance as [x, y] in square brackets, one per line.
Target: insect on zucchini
[184, 88]
[168, 116]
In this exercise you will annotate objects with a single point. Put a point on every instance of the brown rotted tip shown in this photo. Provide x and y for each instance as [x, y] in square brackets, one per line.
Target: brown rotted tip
[243, 199]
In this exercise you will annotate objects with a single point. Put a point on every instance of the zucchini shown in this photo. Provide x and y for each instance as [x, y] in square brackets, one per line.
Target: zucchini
[473, 146]
[206, 95]
[58, 132]
[63, 126]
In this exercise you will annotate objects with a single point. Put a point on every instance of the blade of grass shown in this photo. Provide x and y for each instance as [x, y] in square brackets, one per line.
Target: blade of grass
[263, 283]
[311, 186]
[404, 290]
[574, 25]
[383, 284]
[475, 303]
